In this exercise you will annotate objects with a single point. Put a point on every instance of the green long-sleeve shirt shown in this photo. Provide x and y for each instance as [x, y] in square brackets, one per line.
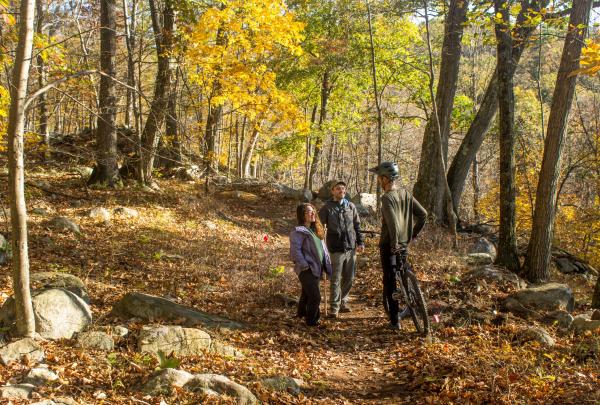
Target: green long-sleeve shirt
[398, 207]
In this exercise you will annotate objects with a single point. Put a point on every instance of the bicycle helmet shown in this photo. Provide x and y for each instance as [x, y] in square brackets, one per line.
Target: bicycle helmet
[387, 169]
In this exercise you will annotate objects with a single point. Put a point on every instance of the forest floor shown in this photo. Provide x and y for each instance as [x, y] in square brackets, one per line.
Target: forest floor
[234, 271]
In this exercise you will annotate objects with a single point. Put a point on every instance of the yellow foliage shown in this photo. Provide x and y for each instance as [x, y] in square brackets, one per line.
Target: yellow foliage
[230, 52]
[4, 106]
[590, 58]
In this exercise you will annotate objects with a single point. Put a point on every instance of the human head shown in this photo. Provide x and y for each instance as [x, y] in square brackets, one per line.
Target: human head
[338, 190]
[387, 172]
[307, 214]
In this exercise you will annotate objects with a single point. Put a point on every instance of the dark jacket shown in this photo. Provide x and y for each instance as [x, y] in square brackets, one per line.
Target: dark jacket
[343, 225]
[398, 207]
[304, 253]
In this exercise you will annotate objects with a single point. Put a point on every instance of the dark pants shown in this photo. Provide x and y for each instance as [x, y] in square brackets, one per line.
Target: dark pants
[310, 299]
[388, 264]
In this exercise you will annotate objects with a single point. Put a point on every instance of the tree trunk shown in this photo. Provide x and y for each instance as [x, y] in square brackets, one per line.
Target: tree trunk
[131, 97]
[16, 171]
[507, 240]
[326, 88]
[307, 161]
[172, 128]
[106, 170]
[429, 188]
[596, 297]
[42, 77]
[536, 267]
[248, 153]
[467, 152]
[164, 45]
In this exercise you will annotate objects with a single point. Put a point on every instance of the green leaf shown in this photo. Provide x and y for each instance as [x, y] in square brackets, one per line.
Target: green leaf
[169, 361]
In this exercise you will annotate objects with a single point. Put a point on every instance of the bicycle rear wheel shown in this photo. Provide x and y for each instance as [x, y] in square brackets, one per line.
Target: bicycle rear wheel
[416, 303]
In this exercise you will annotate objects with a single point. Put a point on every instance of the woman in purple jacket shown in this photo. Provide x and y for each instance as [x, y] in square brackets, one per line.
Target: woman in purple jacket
[311, 260]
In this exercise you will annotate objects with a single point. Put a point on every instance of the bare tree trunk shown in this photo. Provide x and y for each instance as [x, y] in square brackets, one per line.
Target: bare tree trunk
[106, 170]
[241, 156]
[430, 188]
[596, 296]
[507, 240]
[16, 171]
[42, 77]
[467, 152]
[172, 127]
[249, 151]
[307, 161]
[164, 45]
[131, 97]
[476, 190]
[330, 156]
[536, 267]
[326, 88]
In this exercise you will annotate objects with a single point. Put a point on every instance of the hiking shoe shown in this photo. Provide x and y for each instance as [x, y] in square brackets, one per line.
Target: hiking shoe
[404, 313]
[332, 315]
[345, 308]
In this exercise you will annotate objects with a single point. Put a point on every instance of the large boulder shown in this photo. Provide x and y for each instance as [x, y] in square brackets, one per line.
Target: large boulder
[546, 297]
[482, 245]
[63, 224]
[180, 341]
[24, 348]
[292, 193]
[58, 279]
[39, 376]
[366, 200]
[324, 193]
[560, 318]
[150, 308]
[506, 279]
[165, 380]
[16, 391]
[59, 313]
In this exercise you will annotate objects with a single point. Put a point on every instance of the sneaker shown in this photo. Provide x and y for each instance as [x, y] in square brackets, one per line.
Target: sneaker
[345, 308]
[332, 315]
[404, 313]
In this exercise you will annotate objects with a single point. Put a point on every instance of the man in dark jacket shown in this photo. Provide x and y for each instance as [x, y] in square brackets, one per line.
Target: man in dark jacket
[343, 241]
[398, 208]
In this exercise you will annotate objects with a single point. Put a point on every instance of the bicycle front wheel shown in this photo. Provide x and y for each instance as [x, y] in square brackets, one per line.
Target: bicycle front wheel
[416, 303]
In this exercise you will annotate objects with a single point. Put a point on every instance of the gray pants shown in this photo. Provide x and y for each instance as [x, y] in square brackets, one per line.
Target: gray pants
[344, 268]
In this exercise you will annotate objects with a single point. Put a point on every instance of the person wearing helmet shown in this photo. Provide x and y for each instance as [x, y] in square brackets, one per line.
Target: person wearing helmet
[402, 220]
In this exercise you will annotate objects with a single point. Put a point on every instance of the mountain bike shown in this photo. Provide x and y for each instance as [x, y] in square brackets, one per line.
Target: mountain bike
[410, 293]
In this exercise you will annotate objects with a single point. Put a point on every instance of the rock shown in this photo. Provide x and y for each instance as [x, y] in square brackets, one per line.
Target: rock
[562, 319]
[565, 266]
[84, 171]
[283, 384]
[5, 250]
[58, 279]
[470, 315]
[150, 308]
[17, 391]
[515, 307]
[546, 297]
[126, 212]
[164, 381]
[581, 324]
[39, 211]
[596, 315]
[180, 341]
[40, 376]
[240, 195]
[325, 191]
[63, 224]
[99, 214]
[367, 201]
[20, 349]
[479, 259]
[210, 225]
[119, 331]
[221, 180]
[58, 313]
[188, 173]
[222, 385]
[495, 274]
[535, 334]
[95, 340]
[484, 246]
[286, 300]
[224, 350]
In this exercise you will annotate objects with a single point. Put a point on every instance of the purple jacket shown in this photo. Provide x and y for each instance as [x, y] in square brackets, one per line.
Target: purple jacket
[304, 252]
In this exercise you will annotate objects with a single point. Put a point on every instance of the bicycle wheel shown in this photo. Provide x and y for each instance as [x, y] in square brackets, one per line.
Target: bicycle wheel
[416, 303]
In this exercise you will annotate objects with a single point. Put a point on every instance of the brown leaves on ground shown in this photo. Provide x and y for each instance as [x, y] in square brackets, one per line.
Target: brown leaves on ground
[210, 253]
